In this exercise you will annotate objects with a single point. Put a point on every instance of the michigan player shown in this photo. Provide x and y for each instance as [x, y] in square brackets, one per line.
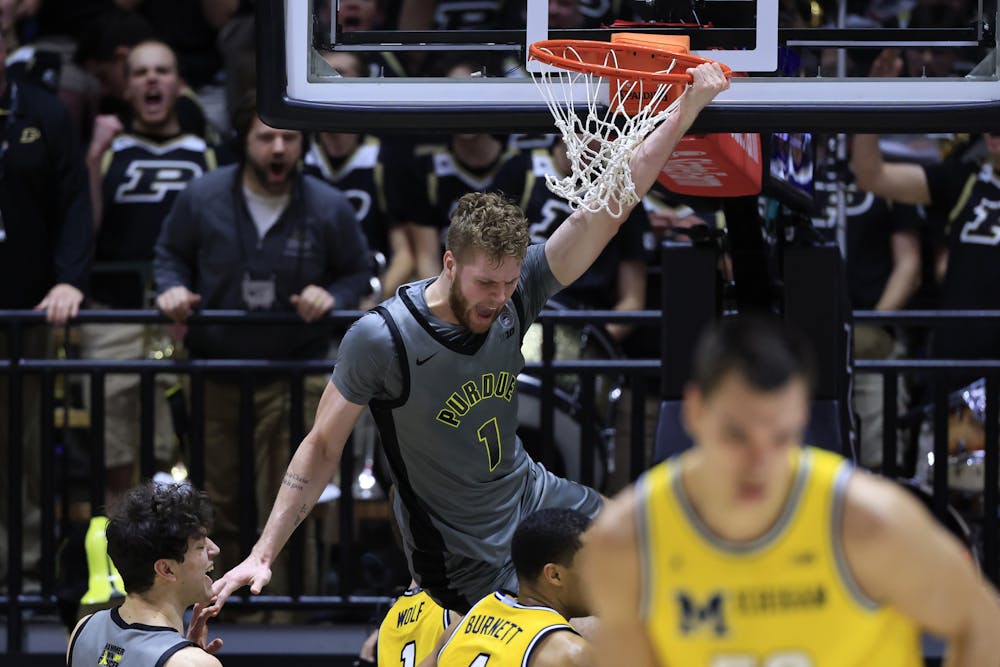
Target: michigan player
[411, 628]
[437, 364]
[532, 628]
[158, 540]
[751, 550]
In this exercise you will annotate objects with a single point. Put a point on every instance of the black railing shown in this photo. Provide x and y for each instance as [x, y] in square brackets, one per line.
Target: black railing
[581, 407]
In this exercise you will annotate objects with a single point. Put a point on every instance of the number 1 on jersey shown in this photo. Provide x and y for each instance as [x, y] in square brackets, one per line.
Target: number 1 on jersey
[408, 656]
[489, 435]
[480, 660]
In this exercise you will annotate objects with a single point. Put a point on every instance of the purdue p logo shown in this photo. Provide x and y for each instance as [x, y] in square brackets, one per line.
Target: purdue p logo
[112, 655]
[151, 180]
[693, 616]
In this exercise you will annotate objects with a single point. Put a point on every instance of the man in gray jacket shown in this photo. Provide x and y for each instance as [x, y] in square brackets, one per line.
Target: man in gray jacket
[258, 236]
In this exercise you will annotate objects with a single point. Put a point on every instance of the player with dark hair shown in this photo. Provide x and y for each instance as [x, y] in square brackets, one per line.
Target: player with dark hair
[749, 549]
[437, 364]
[158, 540]
[532, 628]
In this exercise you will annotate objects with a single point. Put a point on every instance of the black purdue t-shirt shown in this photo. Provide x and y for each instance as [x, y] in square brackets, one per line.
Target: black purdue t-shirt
[142, 176]
[968, 196]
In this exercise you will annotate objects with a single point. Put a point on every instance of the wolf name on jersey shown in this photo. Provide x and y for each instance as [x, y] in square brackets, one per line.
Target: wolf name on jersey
[361, 177]
[787, 598]
[141, 177]
[411, 629]
[501, 632]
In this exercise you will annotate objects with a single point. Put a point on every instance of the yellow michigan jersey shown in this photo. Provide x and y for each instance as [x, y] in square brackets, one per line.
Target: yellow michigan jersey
[787, 599]
[500, 631]
[410, 630]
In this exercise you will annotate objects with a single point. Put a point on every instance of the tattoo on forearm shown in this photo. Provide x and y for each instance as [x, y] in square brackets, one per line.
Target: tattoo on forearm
[293, 481]
[303, 511]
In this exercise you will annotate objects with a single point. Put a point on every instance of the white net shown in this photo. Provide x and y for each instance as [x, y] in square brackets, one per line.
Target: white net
[600, 143]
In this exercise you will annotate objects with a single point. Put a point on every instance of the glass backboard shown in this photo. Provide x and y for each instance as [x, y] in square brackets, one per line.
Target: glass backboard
[365, 65]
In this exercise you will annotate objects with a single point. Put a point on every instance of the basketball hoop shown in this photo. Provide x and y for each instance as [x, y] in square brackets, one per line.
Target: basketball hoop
[645, 86]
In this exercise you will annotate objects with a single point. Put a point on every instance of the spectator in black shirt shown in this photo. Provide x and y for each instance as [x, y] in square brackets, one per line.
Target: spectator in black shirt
[46, 235]
[966, 194]
[135, 177]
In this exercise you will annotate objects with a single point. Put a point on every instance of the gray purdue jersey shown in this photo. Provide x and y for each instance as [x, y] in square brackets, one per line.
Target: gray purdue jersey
[463, 480]
[106, 639]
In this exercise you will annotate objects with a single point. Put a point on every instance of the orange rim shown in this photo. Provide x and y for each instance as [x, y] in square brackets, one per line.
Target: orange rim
[590, 57]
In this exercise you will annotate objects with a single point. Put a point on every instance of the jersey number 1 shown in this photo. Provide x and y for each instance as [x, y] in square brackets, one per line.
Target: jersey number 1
[489, 435]
[408, 656]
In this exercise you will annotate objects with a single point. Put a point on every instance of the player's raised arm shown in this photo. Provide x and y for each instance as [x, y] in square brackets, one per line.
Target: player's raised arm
[900, 556]
[313, 465]
[575, 245]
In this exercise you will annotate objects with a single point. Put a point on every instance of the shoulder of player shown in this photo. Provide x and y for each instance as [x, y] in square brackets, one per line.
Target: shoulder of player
[79, 626]
[882, 523]
[370, 327]
[561, 649]
[615, 527]
[875, 508]
[76, 631]
[192, 656]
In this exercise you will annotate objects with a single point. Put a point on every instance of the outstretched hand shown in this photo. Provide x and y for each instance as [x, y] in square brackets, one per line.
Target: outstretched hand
[198, 628]
[251, 572]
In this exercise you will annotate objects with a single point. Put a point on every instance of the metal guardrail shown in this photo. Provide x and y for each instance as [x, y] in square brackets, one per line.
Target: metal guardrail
[548, 370]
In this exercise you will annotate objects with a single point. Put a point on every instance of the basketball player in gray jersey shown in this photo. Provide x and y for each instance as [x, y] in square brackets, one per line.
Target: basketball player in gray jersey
[158, 540]
[437, 364]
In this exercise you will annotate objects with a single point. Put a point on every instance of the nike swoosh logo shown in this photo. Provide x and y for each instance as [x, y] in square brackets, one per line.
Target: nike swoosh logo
[421, 362]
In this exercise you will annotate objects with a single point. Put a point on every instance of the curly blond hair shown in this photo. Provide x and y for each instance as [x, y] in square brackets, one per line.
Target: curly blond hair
[487, 221]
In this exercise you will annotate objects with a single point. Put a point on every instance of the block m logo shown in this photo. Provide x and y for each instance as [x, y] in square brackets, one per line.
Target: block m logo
[693, 616]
